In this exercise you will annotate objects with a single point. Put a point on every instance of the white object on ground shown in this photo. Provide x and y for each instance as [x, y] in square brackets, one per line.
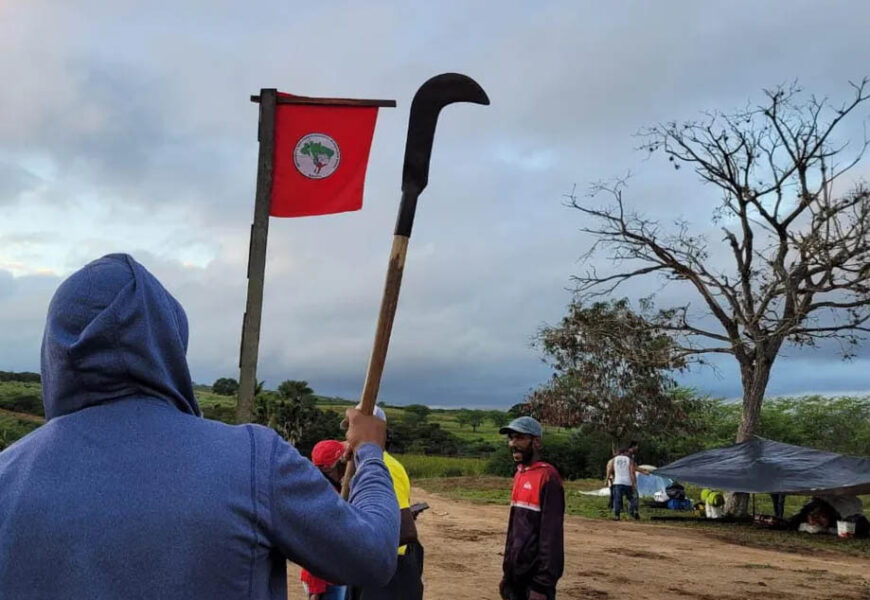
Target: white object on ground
[845, 529]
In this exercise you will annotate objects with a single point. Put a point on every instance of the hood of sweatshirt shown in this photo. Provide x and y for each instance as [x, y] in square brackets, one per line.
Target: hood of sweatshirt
[114, 332]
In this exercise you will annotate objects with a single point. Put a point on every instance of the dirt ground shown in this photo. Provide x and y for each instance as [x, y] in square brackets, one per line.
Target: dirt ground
[605, 559]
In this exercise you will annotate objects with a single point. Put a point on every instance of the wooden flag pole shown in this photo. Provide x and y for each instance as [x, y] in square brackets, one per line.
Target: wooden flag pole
[257, 258]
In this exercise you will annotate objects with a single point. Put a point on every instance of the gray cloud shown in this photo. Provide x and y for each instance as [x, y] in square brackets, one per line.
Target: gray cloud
[139, 124]
[14, 181]
[23, 301]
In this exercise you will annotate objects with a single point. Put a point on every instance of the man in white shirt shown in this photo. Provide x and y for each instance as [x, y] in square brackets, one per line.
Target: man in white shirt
[621, 470]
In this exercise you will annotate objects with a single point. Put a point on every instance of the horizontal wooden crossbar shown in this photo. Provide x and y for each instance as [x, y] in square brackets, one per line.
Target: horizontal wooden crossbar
[329, 101]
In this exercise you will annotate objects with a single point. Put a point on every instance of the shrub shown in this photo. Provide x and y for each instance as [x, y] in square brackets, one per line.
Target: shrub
[13, 429]
[26, 403]
[225, 386]
[220, 412]
[500, 463]
[427, 438]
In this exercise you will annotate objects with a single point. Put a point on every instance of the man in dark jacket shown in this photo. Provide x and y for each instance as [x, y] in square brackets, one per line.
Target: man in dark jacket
[534, 553]
[126, 492]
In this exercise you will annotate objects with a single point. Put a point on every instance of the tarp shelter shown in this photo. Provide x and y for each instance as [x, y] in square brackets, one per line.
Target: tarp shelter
[764, 466]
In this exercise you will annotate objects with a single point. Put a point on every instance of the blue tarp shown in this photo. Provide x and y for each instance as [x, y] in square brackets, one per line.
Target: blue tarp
[764, 466]
[647, 485]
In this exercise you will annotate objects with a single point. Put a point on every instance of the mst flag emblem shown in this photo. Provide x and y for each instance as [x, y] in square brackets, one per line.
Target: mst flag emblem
[316, 155]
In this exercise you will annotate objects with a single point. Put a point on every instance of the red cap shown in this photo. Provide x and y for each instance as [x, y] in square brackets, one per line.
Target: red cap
[327, 453]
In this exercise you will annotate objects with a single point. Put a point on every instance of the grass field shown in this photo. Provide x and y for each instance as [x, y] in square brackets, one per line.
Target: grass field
[420, 466]
[486, 432]
[496, 490]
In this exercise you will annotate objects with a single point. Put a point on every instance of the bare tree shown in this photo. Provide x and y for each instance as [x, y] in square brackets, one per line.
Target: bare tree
[800, 251]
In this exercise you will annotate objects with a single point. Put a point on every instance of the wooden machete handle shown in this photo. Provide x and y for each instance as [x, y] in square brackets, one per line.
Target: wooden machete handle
[389, 302]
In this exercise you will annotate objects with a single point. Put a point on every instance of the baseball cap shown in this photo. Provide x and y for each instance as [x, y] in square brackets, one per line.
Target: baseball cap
[378, 412]
[526, 425]
[327, 453]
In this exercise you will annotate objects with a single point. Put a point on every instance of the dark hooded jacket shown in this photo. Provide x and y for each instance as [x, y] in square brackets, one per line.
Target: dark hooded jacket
[534, 555]
[126, 492]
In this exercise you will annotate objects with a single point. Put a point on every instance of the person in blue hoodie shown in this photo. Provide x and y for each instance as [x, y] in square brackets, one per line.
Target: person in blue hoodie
[127, 493]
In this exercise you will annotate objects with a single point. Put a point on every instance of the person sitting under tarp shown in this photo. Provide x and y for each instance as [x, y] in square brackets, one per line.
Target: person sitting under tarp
[820, 515]
[820, 519]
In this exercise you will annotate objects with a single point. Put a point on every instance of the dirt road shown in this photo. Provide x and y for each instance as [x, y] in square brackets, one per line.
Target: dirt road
[605, 559]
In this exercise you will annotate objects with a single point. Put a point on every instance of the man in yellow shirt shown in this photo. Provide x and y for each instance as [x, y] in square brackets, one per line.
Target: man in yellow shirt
[407, 583]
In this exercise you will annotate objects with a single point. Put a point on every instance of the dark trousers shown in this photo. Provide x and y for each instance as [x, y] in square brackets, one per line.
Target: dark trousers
[521, 592]
[407, 582]
[619, 492]
[778, 505]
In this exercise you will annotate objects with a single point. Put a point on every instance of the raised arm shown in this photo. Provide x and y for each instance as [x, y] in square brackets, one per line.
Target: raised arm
[350, 542]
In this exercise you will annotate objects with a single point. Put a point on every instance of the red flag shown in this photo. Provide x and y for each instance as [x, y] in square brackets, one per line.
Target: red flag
[321, 155]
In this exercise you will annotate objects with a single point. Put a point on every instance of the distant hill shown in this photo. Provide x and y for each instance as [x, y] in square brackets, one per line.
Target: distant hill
[25, 376]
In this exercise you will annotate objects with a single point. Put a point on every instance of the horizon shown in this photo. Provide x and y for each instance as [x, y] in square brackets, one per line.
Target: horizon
[732, 400]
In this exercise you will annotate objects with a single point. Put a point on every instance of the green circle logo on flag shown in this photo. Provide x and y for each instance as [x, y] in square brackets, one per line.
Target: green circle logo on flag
[316, 155]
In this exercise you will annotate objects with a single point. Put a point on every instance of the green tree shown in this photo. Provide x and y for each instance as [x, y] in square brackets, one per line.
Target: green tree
[612, 372]
[473, 418]
[833, 424]
[225, 386]
[321, 425]
[498, 418]
[520, 409]
[426, 438]
[416, 413]
[295, 390]
[289, 411]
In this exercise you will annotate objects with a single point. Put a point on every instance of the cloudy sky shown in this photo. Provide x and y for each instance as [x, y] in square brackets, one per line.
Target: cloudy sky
[125, 127]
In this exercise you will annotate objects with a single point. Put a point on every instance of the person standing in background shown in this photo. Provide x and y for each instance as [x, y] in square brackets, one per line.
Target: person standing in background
[622, 471]
[407, 582]
[534, 546]
[330, 457]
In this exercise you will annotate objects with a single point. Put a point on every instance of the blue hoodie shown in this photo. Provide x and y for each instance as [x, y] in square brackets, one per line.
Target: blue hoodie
[127, 493]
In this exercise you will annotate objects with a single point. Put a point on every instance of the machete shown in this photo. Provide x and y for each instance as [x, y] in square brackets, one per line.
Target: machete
[433, 95]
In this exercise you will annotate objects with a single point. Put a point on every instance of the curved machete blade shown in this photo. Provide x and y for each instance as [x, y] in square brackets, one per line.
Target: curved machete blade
[432, 96]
